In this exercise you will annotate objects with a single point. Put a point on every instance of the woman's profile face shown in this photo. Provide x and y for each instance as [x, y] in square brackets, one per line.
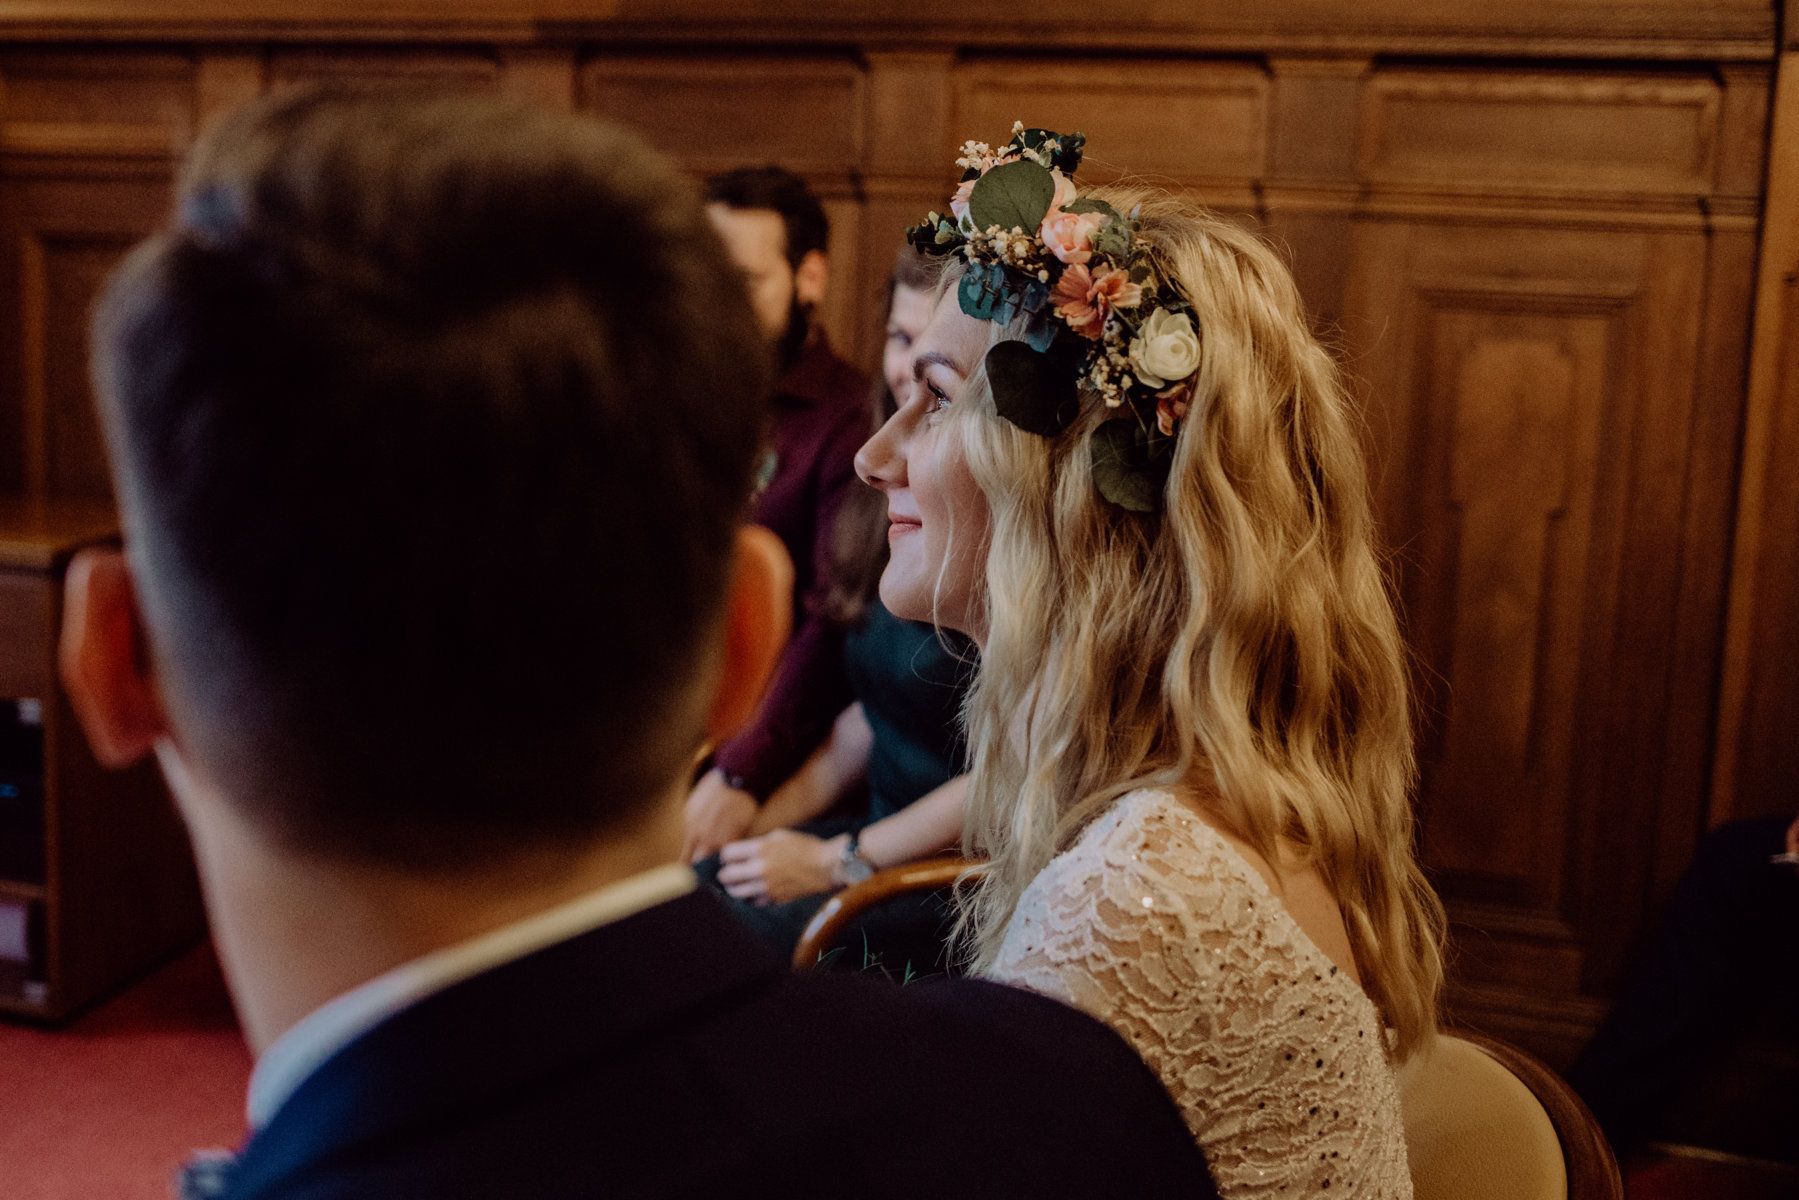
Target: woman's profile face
[907, 315]
[938, 518]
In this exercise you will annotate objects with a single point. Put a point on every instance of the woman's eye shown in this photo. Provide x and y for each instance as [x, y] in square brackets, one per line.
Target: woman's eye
[899, 338]
[935, 400]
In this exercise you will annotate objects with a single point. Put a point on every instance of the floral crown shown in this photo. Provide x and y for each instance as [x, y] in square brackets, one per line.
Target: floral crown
[1096, 311]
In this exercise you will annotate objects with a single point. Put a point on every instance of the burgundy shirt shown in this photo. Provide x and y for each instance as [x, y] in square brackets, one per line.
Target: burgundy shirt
[821, 418]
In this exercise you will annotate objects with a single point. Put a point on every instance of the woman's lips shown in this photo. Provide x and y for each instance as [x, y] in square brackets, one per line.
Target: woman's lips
[899, 525]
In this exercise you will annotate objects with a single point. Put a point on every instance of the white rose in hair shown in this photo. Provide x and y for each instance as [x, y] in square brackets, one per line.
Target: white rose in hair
[1166, 348]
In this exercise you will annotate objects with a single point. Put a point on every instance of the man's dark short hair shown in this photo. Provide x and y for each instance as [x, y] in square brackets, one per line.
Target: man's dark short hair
[780, 191]
[433, 419]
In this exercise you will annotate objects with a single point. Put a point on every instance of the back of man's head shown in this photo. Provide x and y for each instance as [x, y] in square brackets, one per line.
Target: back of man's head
[433, 419]
[780, 191]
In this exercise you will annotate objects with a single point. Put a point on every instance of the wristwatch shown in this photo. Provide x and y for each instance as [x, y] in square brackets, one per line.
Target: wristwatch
[853, 868]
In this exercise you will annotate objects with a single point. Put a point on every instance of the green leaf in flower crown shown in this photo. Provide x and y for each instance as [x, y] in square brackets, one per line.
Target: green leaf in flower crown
[1035, 391]
[1016, 194]
[1113, 240]
[939, 239]
[1067, 155]
[1124, 469]
[1083, 204]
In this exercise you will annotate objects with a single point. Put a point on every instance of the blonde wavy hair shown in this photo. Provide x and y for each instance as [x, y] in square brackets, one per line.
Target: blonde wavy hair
[1245, 633]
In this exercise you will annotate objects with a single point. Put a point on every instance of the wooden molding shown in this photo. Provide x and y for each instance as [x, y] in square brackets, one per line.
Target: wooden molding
[1668, 30]
[1773, 351]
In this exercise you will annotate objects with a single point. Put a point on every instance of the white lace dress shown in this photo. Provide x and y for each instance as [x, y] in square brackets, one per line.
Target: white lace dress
[1156, 925]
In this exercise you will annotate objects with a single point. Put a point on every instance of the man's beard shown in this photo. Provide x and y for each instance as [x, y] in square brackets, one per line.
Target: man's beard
[792, 342]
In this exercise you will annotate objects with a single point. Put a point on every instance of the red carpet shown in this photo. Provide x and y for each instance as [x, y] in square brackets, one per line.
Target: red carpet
[109, 1106]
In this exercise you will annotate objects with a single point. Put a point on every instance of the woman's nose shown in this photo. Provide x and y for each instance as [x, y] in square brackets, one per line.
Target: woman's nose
[880, 463]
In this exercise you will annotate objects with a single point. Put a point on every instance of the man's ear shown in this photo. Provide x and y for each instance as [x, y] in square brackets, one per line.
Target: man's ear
[757, 622]
[811, 278]
[104, 659]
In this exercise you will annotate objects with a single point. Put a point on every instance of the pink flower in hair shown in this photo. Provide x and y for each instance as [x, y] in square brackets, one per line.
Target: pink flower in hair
[1084, 299]
[1069, 236]
[1172, 405]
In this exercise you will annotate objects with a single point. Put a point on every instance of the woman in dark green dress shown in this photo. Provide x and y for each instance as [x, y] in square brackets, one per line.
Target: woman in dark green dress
[887, 785]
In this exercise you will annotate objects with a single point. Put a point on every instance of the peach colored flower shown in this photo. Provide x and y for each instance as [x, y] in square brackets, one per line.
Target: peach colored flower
[1084, 299]
[958, 204]
[1069, 236]
[1171, 406]
[1072, 296]
[1065, 193]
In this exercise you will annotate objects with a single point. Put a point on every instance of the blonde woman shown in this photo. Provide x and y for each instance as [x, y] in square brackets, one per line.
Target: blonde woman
[1128, 470]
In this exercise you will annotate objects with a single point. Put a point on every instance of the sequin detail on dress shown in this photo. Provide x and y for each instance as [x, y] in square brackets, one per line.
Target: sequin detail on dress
[1156, 925]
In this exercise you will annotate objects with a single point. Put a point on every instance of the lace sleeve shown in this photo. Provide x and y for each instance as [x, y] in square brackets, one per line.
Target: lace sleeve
[1155, 925]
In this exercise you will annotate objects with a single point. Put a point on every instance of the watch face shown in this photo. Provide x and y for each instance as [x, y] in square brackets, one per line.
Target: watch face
[855, 870]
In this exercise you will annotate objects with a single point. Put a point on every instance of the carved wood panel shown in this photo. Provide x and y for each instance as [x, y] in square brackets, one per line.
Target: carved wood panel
[1198, 124]
[1530, 393]
[1474, 129]
[1755, 771]
[86, 146]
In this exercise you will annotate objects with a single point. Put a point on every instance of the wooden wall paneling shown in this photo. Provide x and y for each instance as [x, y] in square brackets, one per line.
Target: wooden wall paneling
[437, 65]
[1733, 219]
[1473, 130]
[540, 75]
[225, 79]
[1539, 250]
[907, 172]
[1515, 373]
[1192, 124]
[1668, 30]
[714, 113]
[86, 147]
[1634, 702]
[1312, 185]
[1754, 770]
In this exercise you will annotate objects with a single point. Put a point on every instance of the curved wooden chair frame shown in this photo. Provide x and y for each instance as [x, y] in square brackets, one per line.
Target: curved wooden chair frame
[828, 922]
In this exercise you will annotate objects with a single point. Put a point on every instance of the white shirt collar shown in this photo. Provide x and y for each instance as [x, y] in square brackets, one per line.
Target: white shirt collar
[306, 1046]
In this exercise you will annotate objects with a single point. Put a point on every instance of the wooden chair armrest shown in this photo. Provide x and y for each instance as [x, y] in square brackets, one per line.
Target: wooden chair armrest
[926, 875]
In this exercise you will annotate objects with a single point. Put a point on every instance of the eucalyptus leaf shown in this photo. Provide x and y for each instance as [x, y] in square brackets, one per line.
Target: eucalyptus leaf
[1113, 241]
[1034, 390]
[1015, 195]
[1123, 469]
[1086, 204]
[980, 291]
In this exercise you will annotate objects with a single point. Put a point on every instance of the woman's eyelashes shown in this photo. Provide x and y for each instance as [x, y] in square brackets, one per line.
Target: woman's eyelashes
[936, 400]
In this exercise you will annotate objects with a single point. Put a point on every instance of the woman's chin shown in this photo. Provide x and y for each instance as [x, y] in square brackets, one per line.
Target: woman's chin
[903, 600]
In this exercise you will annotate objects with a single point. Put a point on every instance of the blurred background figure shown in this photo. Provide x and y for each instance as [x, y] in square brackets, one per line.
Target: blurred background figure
[1723, 968]
[887, 785]
[776, 232]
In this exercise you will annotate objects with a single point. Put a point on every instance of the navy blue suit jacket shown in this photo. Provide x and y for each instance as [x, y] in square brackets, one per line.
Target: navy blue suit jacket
[670, 1055]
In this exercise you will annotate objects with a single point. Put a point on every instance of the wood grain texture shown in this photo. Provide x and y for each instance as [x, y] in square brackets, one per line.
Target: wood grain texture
[1758, 709]
[1668, 29]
